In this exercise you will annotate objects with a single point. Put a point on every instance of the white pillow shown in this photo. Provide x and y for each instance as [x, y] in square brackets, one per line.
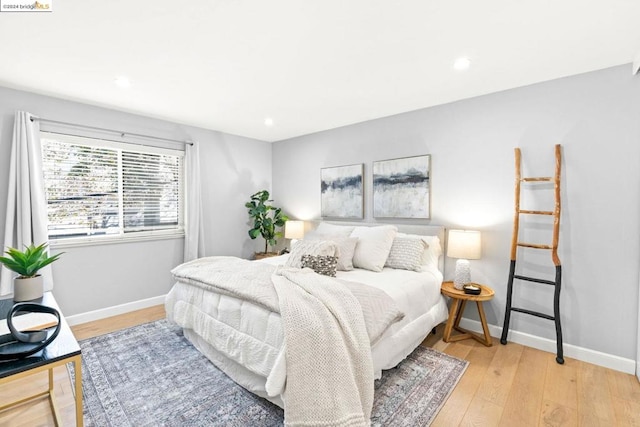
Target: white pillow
[374, 244]
[432, 252]
[309, 247]
[334, 230]
[346, 248]
[406, 254]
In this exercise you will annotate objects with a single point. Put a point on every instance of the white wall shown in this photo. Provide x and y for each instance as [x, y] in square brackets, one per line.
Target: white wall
[91, 278]
[596, 118]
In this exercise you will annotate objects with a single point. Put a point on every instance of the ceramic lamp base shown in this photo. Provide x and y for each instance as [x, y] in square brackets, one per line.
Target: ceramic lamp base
[463, 274]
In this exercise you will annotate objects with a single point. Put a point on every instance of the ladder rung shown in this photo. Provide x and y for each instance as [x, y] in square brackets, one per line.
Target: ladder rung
[522, 211]
[540, 179]
[533, 313]
[534, 246]
[533, 279]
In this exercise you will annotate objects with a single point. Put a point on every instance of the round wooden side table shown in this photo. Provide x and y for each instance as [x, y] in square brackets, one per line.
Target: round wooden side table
[458, 302]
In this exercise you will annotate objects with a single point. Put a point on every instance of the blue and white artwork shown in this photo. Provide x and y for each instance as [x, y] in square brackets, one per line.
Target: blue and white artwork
[341, 191]
[401, 188]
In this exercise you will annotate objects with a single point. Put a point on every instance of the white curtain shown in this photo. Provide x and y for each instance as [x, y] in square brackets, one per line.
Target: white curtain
[194, 232]
[26, 220]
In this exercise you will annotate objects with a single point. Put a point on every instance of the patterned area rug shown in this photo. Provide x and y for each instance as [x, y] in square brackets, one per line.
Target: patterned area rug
[150, 375]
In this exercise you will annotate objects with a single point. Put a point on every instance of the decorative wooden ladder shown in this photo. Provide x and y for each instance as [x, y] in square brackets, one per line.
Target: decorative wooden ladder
[515, 243]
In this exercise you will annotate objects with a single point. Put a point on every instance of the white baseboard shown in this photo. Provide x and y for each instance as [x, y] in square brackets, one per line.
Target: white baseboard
[103, 313]
[610, 361]
[586, 355]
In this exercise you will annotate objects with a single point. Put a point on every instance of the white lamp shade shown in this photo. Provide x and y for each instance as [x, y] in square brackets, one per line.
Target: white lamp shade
[464, 244]
[294, 229]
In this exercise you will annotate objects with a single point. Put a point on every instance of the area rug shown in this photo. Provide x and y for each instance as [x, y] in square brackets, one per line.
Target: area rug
[150, 375]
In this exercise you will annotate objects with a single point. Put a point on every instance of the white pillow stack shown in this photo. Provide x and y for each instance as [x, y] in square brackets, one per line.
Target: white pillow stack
[369, 248]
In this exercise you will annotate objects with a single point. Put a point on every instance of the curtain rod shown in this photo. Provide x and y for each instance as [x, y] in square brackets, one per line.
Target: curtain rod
[122, 134]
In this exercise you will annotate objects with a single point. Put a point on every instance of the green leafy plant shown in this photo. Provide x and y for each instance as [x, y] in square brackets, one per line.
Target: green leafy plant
[266, 219]
[27, 263]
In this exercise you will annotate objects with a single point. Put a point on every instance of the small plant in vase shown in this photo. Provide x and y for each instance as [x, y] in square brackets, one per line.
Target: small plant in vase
[28, 285]
[266, 220]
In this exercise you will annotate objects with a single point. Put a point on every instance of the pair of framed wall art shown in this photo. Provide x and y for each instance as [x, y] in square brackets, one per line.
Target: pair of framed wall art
[401, 189]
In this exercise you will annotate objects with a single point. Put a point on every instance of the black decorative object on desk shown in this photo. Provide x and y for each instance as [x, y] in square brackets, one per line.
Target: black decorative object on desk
[25, 343]
[62, 350]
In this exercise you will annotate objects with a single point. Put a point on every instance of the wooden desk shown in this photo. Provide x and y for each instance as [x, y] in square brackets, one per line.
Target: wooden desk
[64, 349]
[458, 302]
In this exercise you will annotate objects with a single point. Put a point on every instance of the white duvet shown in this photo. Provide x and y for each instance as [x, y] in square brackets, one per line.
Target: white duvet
[245, 340]
[417, 295]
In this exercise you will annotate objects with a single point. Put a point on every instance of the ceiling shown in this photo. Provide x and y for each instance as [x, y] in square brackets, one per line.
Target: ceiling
[309, 65]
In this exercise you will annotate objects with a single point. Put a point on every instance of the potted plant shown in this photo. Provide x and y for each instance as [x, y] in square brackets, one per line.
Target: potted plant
[266, 220]
[28, 285]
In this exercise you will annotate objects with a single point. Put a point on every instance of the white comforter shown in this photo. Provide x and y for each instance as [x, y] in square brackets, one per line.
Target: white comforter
[325, 321]
[418, 297]
[251, 335]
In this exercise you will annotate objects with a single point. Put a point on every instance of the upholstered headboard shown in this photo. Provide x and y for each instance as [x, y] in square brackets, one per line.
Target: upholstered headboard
[424, 230]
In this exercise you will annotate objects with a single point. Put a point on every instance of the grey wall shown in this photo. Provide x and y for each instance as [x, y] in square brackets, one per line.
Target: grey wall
[596, 118]
[92, 277]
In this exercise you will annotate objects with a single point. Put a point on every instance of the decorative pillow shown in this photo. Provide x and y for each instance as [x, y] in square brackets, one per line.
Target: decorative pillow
[321, 264]
[374, 244]
[432, 252]
[346, 248]
[310, 247]
[334, 230]
[406, 254]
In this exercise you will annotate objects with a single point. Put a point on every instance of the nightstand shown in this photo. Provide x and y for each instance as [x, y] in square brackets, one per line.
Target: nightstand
[458, 302]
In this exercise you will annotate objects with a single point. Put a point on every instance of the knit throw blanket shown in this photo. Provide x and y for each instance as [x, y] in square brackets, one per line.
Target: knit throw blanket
[328, 325]
[329, 365]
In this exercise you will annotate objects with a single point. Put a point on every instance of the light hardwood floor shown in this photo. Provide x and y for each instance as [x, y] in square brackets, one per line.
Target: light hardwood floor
[508, 385]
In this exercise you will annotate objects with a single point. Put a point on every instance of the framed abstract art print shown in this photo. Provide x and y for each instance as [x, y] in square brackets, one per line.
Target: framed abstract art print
[401, 188]
[342, 191]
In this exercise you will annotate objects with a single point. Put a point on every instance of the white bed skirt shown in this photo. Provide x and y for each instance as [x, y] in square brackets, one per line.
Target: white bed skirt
[386, 354]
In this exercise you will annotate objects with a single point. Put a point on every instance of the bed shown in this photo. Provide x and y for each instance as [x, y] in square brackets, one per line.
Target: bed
[245, 340]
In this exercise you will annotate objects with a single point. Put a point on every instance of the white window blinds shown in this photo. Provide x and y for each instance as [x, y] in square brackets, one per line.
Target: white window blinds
[150, 187]
[95, 187]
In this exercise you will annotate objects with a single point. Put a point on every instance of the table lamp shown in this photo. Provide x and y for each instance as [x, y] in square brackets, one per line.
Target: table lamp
[464, 245]
[294, 229]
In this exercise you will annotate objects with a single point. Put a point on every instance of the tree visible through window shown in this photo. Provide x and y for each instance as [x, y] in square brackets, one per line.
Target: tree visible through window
[96, 187]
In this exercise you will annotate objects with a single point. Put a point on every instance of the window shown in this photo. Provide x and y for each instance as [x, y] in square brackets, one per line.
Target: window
[97, 188]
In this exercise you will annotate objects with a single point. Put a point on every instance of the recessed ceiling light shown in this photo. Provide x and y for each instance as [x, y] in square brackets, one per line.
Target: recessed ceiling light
[462, 63]
[268, 121]
[123, 82]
